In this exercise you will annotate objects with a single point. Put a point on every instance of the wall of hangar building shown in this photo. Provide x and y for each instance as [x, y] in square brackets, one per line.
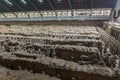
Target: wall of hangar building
[69, 14]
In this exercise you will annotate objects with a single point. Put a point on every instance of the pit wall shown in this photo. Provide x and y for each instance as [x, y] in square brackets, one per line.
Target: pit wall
[69, 23]
[36, 67]
[90, 55]
[78, 42]
[75, 56]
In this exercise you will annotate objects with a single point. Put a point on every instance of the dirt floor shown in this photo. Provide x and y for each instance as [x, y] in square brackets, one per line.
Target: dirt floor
[6, 74]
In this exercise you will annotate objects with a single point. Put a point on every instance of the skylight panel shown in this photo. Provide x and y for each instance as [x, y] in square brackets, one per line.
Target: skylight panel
[23, 1]
[59, 0]
[40, 1]
[8, 2]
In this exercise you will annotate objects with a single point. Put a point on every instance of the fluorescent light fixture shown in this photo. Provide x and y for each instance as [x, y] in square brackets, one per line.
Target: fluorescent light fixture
[40, 1]
[23, 1]
[8, 2]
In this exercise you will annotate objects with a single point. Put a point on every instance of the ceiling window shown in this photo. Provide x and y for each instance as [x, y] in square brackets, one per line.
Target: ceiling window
[23, 1]
[41, 1]
[8, 2]
[59, 1]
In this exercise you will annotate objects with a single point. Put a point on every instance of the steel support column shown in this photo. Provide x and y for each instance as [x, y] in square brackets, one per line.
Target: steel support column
[70, 4]
[19, 7]
[35, 8]
[9, 10]
[52, 7]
